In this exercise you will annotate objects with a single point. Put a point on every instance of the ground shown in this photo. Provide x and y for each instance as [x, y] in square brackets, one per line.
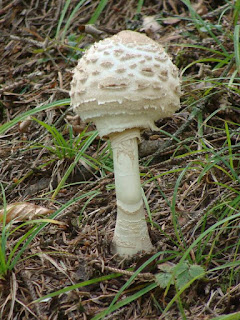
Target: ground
[189, 168]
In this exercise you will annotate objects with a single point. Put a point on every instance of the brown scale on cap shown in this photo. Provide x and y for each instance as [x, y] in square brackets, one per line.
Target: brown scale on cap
[106, 64]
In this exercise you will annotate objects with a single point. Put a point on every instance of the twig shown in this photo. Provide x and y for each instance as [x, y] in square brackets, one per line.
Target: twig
[13, 86]
[145, 276]
[9, 6]
[29, 40]
[215, 12]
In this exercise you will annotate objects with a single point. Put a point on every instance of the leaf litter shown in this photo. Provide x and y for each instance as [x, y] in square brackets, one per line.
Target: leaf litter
[35, 71]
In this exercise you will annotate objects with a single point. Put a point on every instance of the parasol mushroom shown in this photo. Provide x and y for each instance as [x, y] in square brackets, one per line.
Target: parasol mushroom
[123, 84]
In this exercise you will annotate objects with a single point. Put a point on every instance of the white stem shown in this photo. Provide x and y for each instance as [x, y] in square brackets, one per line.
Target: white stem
[131, 233]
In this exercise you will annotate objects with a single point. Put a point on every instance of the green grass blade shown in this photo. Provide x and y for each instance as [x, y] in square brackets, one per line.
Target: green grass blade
[195, 243]
[188, 45]
[3, 237]
[71, 18]
[237, 46]
[218, 158]
[78, 285]
[8, 125]
[233, 76]
[12, 262]
[147, 207]
[43, 225]
[70, 141]
[222, 62]
[163, 174]
[197, 19]
[62, 17]
[86, 203]
[73, 164]
[126, 285]
[98, 11]
[236, 12]
[125, 301]
[229, 145]
[60, 143]
[233, 316]
[139, 6]
[226, 265]
[177, 229]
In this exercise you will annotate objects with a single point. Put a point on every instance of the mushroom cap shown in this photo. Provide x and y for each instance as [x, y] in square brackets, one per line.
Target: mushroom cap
[125, 81]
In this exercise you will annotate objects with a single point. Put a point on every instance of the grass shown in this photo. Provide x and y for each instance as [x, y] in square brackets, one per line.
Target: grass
[94, 17]
[198, 182]
[10, 124]
[10, 258]
[185, 275]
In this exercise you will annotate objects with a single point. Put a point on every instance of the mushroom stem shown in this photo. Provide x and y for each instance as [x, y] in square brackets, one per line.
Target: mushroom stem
[131, 232]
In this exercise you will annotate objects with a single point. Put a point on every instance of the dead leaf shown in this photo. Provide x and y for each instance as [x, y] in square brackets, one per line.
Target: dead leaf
[20, 211]
[92, 30]
[171, 20]
[166, 266]
[150, 25]
[24, 125]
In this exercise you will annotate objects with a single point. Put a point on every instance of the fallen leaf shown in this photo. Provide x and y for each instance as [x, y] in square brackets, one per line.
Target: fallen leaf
[150, 25]
[171, 20]
[24, 125]
[20, 211]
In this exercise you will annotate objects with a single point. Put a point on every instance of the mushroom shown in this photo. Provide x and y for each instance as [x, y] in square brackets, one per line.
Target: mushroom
[123, 84]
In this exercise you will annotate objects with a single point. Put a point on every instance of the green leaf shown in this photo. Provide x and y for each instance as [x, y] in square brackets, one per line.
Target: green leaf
[186, 272]
[181, 274]
[163, 279]
[195, 271]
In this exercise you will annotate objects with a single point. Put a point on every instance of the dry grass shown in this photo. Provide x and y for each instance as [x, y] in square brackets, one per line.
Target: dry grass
[189, 168]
